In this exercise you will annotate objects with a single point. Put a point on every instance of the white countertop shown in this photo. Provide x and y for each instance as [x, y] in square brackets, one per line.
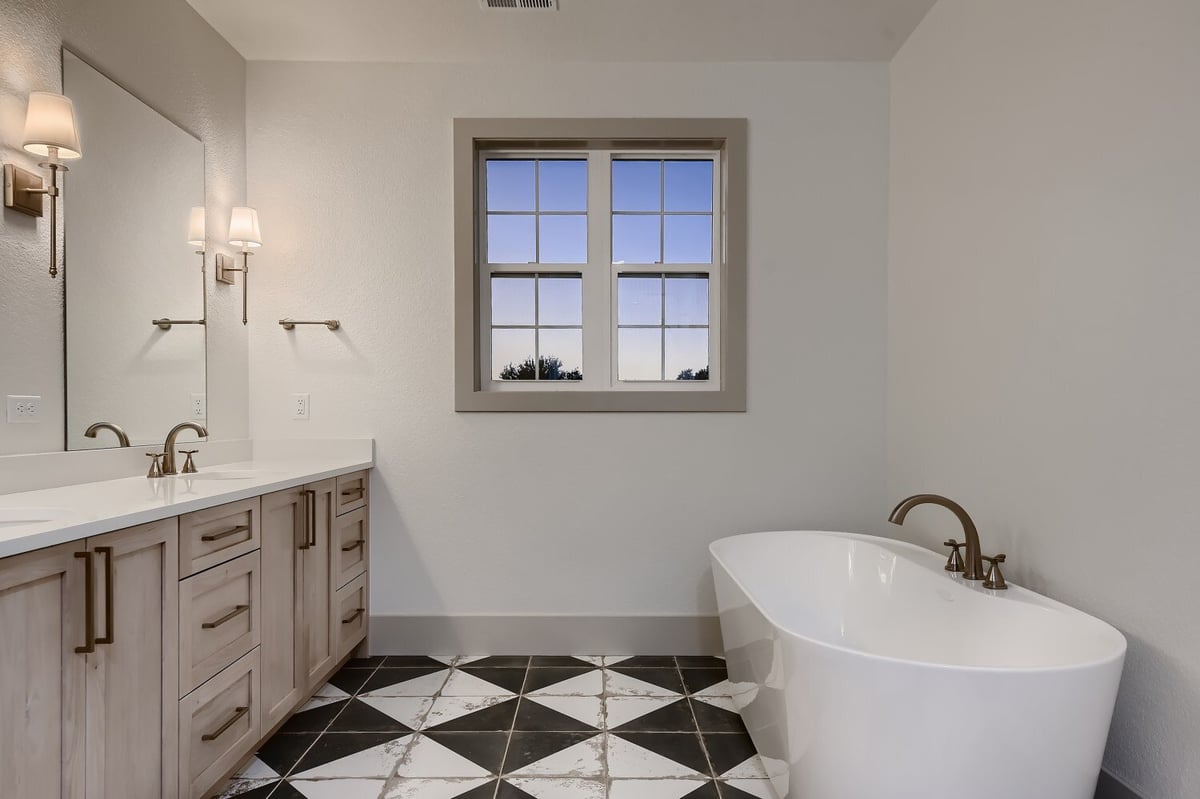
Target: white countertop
[32, 520]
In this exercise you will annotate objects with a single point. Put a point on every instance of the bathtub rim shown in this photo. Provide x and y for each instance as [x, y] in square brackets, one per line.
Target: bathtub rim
[890, 544]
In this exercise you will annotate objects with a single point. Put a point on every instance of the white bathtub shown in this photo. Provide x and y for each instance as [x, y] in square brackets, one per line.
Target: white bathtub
[864, 670]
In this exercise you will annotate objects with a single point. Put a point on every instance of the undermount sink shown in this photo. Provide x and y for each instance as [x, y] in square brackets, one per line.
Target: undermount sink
[231, 474]
[16, 517]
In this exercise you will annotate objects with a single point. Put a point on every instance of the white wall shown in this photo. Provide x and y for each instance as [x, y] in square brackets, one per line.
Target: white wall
[1044, 287]
[164, 53]
[350, 168]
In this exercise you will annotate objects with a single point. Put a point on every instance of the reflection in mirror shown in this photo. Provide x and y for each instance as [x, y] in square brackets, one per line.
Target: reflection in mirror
[130, 267]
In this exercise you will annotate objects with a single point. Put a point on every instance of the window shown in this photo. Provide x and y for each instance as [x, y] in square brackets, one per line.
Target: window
[600, 270]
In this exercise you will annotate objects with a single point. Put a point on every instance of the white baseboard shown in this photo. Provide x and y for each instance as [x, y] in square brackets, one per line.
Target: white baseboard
[548, 635]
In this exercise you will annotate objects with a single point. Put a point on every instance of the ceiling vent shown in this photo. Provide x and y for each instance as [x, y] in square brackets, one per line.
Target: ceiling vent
[521, 5]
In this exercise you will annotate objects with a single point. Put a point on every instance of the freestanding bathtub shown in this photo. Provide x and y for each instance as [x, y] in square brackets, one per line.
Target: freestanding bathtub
[864, 670]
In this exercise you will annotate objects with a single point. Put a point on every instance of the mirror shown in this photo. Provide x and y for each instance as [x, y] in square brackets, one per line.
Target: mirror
[127, 263]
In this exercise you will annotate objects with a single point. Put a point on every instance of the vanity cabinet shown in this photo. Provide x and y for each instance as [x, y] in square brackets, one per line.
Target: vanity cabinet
[152, 661]
[89, 686]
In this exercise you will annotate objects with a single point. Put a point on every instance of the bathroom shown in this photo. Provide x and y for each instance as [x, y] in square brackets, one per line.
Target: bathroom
[948, 249]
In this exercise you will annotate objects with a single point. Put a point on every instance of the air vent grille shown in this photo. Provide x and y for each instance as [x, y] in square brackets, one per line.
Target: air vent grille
[521, 5]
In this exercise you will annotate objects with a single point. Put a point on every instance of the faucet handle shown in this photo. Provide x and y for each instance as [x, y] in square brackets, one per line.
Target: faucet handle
[189, 467]
[994, 579]
[155, 466]
[954, 562]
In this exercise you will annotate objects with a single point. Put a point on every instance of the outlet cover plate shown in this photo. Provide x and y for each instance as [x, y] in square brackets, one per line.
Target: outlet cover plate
[24, 409]
[199, 406]
[300, 406]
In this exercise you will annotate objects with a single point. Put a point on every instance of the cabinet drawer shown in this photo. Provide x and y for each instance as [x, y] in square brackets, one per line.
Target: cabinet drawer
[350, 615]
[351, 492]
[218, 725]
[215, 535]
[350, 545]
[219, 619]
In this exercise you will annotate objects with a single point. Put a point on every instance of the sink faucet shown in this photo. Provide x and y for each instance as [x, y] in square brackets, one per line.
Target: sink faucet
[974, 565]
[168, 466]
[122, 438]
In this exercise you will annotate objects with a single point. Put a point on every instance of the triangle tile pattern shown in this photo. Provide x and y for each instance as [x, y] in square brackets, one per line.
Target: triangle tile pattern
[514, 727]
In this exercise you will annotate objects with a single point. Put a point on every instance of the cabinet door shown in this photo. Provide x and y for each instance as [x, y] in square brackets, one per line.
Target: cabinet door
[319, 584]
[284, 532]
[41, 674]
[133, 676]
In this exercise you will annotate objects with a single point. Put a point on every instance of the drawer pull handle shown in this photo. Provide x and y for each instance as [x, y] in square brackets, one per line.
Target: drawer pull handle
[353, 617]
[233, 614]
[109, 635]
[243, 528]
[354, 546]
[352, 492]
[219, 731]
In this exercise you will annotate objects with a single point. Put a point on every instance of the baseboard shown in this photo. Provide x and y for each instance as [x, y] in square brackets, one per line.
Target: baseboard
[551, 635]
[1109, 787]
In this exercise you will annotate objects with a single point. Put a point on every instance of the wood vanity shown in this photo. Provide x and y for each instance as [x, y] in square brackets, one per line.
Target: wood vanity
[152, 661]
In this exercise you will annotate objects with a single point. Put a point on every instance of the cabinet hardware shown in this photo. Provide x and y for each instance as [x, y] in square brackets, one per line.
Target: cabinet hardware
[109, 636]
[354, 546]
[237, 611]
[89, 604]
[354, 616]
[244, 528]
[310, 518]
[215, 734]
[350, 492]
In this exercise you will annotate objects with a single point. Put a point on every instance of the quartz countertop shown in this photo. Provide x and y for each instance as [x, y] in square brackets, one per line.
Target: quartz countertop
[32, 520]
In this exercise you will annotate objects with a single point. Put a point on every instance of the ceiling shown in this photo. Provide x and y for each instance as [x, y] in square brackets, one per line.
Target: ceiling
[581, 30]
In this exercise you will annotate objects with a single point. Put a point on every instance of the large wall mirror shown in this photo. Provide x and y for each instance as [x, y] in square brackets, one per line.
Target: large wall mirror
[128, 265]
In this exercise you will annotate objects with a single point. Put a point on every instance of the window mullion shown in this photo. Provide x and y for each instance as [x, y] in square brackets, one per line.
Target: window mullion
[597, 291]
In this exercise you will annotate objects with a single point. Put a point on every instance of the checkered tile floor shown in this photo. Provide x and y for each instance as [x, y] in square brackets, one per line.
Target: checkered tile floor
[513, 728]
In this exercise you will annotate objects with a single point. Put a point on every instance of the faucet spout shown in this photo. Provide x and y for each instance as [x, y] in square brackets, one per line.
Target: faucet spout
[122, 438]
[168, 466]
[974, 565]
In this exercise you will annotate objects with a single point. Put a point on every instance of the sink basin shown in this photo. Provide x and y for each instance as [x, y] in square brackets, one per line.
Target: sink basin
[231, 474]
[16, 517]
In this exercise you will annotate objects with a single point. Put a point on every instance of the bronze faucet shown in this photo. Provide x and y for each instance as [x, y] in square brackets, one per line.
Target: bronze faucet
[122, 438]
[973, 568]
[168, 466]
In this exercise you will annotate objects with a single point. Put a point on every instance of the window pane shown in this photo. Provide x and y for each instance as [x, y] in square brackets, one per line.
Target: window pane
[636, 185]
[564, 240]
[560, 354]
[512, 300]
[687, 353]
[688, 185]
[510, 185]
[562, 185]
[512, 355]
[636, 239]
[687, 300]
[510, 239]
[687, 240]
[639, 300]
[639, 353]
[560, 301]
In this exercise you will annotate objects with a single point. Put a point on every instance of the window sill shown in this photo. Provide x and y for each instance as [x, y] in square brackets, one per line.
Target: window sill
[717, 401]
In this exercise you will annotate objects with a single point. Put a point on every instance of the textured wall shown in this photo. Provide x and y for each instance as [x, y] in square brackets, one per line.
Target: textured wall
[164, 53]
[1043, 295]
[610, 514]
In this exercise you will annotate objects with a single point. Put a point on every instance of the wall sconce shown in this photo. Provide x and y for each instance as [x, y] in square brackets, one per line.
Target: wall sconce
[50, 132]
[195, 238]
[245, 233]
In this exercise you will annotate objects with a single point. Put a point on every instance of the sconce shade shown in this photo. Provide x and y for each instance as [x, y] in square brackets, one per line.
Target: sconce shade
[243, 228]
[50, 122]
[196, 227]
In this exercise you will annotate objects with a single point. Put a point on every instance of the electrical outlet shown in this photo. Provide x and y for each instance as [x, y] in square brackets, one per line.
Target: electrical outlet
[24, 409]
[299, 406]
[199, 406]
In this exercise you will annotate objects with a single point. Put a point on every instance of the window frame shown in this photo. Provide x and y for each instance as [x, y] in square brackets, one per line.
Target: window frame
[723, 140]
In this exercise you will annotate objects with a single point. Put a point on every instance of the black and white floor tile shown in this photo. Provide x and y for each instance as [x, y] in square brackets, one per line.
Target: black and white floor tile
[505, 727]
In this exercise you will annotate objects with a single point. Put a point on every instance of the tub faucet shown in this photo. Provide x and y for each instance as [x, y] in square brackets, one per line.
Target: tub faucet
[973, 568]
[168, 466]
